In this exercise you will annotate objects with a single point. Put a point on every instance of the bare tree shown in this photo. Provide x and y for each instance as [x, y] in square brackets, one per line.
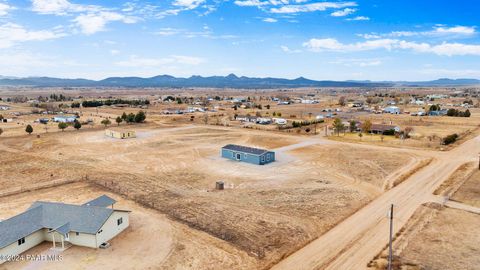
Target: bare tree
[366, 126]
[407, 132]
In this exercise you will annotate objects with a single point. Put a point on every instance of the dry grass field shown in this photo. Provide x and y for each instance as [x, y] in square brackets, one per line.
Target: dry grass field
[443, 238]
[469, 192]
[151, 242]
[438, 237]
[266, 212]
[167, 174]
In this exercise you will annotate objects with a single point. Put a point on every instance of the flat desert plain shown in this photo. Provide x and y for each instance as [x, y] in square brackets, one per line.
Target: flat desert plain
[265, 212]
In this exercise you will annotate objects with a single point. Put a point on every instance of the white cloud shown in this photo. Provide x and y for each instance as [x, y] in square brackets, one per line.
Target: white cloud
[288, 50]
[188, 60]
[188, 4]
[359, 18]
[60, 7]
[357, 62]
[451, 73]
[447, 49]
[11, 33]
[331, 44]
[114, 52]
[451, 49]
[5, 8]
[344, 12]
[169, 31]
[91, 23]
[463, 30]
[206, 32]
[369, 36]
[135, 61]
[251, 3]
[438, 31]
[184, 5]
[320, 6]
[270, 20]
[92, 18]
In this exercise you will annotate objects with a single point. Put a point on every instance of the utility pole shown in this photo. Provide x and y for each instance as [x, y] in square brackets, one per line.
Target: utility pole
[391, 236]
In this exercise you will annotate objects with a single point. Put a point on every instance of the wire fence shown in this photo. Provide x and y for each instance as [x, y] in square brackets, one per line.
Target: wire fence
[37, 186]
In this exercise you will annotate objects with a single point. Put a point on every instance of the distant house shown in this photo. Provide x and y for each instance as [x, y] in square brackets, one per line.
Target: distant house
[246, 118]
[88, 225]
[438, 113]
[4, 107]
[120, 134]
[64, 118]
[384, 129]
[280, 121]
[239, 100]
[43, 120]
[392, 110]
[6, 120]
[355, 104]
[263, 121]
[309, 101]
[248, 154]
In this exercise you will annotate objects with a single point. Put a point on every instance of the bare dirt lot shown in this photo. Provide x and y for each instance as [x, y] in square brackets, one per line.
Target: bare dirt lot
[469, 192]
[151, 242]
[266, 212]
[438, 238]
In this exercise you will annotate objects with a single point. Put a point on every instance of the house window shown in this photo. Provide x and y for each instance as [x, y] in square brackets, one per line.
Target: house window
[119, 221]
[233, 154]
[268, 157]
[21, 241]
[77, 233]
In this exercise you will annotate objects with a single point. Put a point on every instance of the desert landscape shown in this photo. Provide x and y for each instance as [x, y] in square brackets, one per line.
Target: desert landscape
[322, 182]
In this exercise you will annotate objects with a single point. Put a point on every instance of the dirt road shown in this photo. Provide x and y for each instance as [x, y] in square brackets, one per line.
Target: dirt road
[355, 241]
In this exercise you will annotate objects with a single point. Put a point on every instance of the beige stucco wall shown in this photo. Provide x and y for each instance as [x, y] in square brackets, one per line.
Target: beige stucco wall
[30, 241]
[110, 229]
[82, 239]
[120, 134]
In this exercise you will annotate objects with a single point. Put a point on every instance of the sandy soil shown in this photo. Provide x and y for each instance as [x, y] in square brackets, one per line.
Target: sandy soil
[151, 242]
[363, 235]
[449, 241]
[176, 168]
[469, 192]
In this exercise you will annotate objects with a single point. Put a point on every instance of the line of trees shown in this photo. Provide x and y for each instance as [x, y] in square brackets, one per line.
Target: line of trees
[131, 118]
[458, 113]
[108, 102]
[296, 124]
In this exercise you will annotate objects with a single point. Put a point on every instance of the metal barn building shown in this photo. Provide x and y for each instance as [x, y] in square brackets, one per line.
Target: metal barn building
[248, 154]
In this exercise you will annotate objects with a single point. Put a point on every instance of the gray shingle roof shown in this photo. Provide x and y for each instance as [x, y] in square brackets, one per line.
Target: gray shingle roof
[58, 216]
[102, 201]
[245, 149]
[20, 226]
[64, 229]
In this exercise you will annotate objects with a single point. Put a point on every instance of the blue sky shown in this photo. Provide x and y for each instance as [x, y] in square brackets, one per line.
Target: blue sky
[334, 40]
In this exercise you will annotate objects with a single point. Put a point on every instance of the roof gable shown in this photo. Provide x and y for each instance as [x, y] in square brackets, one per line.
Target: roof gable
[102, 201]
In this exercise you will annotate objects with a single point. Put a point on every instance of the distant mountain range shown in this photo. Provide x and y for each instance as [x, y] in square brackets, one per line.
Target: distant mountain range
[230, 81]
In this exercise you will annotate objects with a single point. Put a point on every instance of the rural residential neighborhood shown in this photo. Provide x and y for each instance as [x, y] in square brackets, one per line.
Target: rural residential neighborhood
[263, 135]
